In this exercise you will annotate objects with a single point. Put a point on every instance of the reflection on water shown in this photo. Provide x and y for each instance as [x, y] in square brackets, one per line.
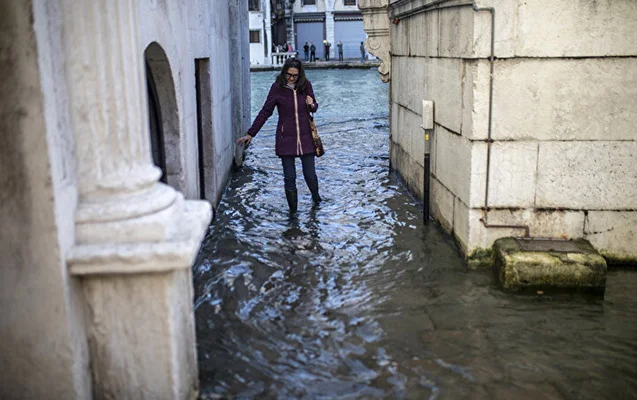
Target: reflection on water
[357, 299]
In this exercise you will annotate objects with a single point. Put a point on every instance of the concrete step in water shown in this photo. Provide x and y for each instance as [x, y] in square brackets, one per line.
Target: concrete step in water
[541, 264]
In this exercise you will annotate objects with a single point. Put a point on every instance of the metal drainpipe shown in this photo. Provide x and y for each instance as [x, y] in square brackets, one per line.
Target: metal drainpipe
[434, 7]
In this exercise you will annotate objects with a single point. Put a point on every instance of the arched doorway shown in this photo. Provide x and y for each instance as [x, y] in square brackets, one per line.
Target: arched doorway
[163, 116]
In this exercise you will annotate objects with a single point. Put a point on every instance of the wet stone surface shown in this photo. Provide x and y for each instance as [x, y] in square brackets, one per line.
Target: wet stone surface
[357, 299]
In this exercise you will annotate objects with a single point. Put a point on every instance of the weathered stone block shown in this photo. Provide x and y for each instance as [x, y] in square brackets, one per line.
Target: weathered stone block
[400, 135]
[442, 204]
[461, 224]
[413, 83]
[456, 33]
[614, 233]
[512, 174]
[411, 172]
[559, 99]
[460, 165]
[587, 175]
[506, 21]
[549, 264]
[443, 85]
[400, 36]
[475, 104]
[585, 29]
[453, 162]
[416, 147]
[415, 79]
[423, 35]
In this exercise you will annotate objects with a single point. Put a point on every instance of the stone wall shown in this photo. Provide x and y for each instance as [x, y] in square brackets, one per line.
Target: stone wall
[563, 156]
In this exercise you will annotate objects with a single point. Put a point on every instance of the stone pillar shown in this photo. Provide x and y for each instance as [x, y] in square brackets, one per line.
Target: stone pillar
[267, 42]
[329, 26]
[135, 237]
[376, 24]
[289, 23]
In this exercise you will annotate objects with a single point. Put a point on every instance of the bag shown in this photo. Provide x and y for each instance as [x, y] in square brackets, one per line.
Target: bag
[318, 144]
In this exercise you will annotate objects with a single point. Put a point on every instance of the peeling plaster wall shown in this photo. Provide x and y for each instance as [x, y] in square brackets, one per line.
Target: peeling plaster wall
[564, 157]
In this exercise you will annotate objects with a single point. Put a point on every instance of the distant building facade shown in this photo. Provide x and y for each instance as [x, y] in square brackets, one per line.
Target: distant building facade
[311, 21]
[261, 45]
[330, 20]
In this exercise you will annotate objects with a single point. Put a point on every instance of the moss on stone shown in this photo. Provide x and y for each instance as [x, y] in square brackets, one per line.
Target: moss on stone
[517, 268]
[480, 258]
[619, 259]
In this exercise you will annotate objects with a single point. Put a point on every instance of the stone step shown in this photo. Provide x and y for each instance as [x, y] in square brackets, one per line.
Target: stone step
[549, 264]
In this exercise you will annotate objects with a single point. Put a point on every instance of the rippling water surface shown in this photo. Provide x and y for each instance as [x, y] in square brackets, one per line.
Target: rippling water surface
[357, 299]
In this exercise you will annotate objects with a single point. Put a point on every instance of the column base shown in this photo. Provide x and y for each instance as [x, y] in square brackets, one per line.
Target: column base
[145, 217]
[140, 310]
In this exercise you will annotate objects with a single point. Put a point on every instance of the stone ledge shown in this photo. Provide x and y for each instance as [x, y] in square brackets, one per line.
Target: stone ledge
[549, 264]
[148, 257]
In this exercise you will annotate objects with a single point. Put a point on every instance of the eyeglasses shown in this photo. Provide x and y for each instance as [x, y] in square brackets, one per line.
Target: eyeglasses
[291, 75]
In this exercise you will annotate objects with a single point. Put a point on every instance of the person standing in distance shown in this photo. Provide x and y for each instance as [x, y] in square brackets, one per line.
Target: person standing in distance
[362, 51]
[293, 97]
[306, 51]
[339, 46]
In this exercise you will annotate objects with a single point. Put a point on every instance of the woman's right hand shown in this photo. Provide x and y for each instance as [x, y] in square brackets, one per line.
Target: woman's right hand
[244, 140]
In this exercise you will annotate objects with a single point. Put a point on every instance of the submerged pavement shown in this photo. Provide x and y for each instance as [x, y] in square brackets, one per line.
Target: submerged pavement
[357, 299]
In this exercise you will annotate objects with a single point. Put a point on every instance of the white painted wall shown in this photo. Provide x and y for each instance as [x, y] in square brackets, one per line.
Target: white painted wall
[260, 53]
[563, 161]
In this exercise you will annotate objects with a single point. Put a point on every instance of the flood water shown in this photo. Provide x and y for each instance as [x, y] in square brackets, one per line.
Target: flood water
[357, 299]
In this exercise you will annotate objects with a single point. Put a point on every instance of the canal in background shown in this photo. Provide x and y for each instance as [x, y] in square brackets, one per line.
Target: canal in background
[357, 299]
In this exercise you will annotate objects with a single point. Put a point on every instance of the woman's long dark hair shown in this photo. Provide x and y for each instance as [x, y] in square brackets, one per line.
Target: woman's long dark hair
[301, 82]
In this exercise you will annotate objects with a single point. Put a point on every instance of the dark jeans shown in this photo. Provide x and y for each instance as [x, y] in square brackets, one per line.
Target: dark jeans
[309, 172]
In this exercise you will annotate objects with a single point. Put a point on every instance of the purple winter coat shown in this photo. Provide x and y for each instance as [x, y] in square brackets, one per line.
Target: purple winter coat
[293, 134]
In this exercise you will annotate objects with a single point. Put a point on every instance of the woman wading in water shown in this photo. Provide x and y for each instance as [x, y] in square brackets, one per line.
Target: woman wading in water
[292, 95]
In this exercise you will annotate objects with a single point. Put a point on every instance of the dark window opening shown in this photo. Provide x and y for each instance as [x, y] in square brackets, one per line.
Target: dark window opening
[255, 36]
[254, 5]
[156, 131]
[309, 2]
[204, 125]
[349, 2]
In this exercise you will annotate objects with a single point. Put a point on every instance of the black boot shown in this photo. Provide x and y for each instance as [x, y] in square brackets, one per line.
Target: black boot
[314, 189]
[293, 199]
[315, 197]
